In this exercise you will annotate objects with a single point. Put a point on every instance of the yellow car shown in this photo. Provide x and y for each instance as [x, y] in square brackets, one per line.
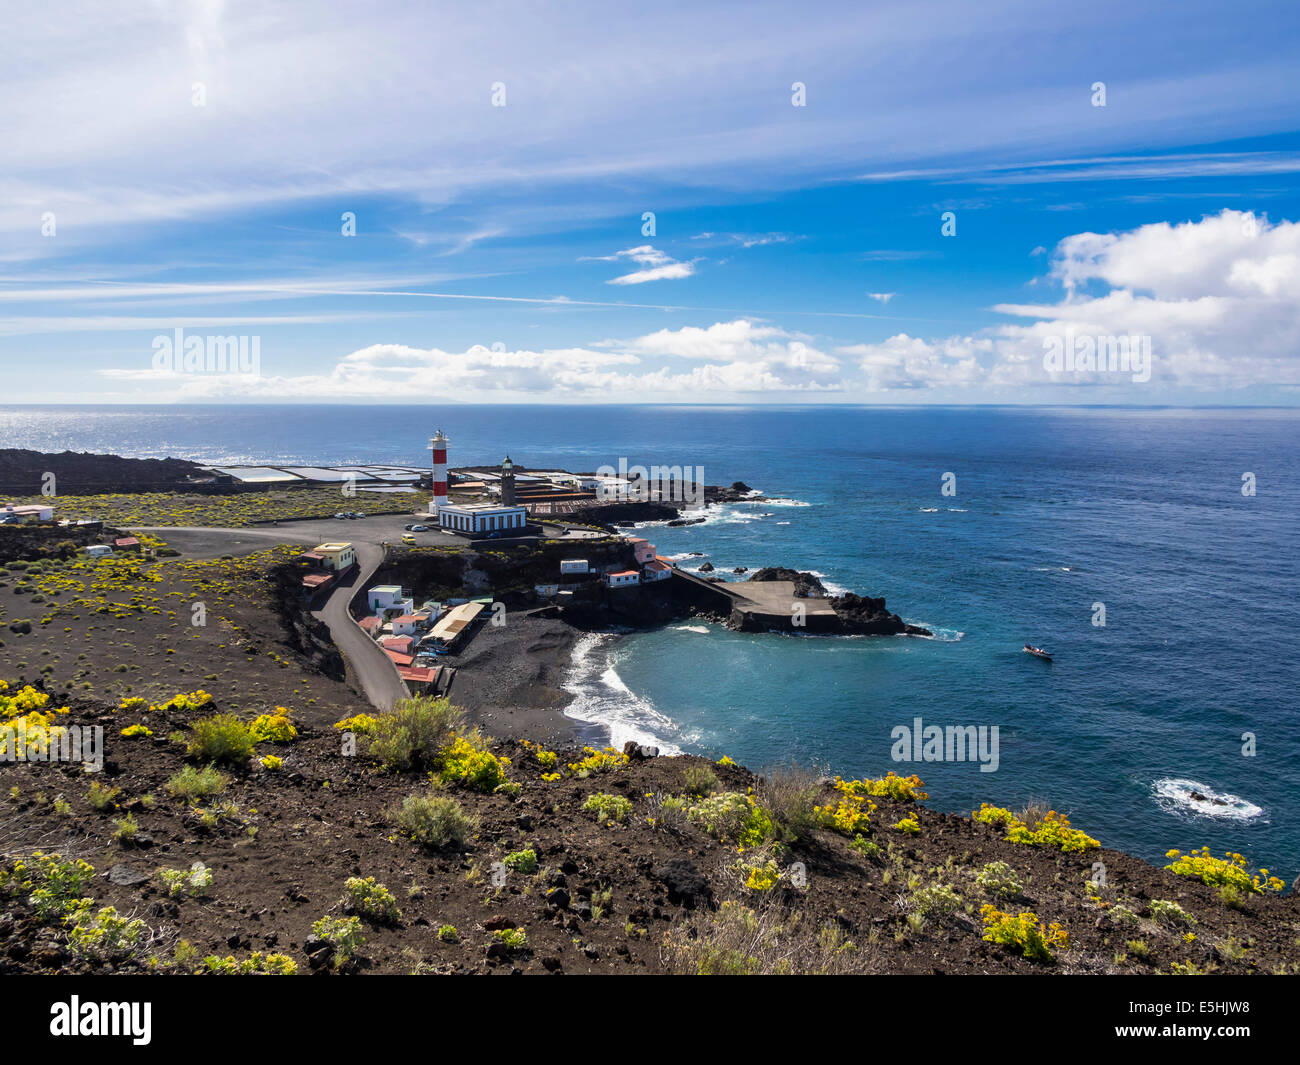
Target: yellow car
[407, 538]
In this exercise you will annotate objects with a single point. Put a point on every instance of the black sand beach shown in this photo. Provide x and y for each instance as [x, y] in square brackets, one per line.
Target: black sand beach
[510, 681]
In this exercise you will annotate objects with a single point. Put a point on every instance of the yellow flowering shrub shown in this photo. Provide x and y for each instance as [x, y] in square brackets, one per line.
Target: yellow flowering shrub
[761, 875]
[1023, 931]
[1052, 831]
[194, 700]
[466, 760]
[1229, 871]
[25, 701]
[256, 964]
[358, 723]
[273, 728]
[595, 761]
[890, 786]
[908, 824]
[851, 814]
[136, 730]
[272, 761]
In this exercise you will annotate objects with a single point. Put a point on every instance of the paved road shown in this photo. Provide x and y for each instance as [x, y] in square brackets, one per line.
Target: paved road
[370, 669]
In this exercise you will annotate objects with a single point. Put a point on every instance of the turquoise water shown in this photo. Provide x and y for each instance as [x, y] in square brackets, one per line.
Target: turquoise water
[1054, 511]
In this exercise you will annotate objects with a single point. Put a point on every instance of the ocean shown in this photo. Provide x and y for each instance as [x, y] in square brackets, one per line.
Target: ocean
[1056, 517]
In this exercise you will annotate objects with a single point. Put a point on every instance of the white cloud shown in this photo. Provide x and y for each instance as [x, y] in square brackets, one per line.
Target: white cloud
[1219, 300]
[882, 297]
[725, 359]
[657, 265]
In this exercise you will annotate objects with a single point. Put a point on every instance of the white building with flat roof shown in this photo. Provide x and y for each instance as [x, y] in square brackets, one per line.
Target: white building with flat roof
[482, 519]
[383, 598]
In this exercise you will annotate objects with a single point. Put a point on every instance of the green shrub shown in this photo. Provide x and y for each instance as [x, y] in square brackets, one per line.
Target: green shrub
[366, 896]
[936, 900]
[54, 888]
[105, 937]
[125, 828]
[1170, 913]
[341, 933]
[524, 861]
[448, 934]
[1139, 948]
[608, 807]
[193, 881]
[220, 738]
[732, 817]
[515, 939]
[1122, 916]
[256, 964]
[699, 780]
[867, 848]
[434, 820]
[411, 735]
[191, 783]
[101, 797]
[790, 796]
[998, 878]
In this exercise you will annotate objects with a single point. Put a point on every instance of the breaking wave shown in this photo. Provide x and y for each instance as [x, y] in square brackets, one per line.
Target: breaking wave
[1179, 796]
[601, 698]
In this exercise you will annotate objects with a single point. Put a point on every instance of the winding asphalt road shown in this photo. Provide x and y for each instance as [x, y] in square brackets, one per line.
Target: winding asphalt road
[368, 667]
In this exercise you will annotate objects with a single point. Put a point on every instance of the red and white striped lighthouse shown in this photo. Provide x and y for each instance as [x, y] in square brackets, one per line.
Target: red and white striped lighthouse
[438, 445]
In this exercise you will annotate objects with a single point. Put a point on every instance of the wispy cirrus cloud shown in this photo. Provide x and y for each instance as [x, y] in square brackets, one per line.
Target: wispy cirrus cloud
[655, 265]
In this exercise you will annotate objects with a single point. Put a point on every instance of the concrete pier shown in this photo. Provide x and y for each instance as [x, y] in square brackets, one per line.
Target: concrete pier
[757, 606]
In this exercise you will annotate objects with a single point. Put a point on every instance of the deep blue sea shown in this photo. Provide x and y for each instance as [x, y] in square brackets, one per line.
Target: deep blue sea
[1055, 511]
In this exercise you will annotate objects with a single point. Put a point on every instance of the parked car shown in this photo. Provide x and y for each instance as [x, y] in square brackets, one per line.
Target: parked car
[410, 528]
[418, 528]
[340, 515]
[407, 538]
[358, 514]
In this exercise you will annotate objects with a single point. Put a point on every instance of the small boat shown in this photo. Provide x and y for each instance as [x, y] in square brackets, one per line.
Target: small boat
[1038, 652]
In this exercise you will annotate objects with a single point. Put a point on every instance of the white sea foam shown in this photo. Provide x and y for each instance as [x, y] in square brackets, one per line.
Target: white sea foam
[832, 588]
[725, 514]
[601, 698]
[1175, 795]
[778, 501]
[929, 510]
[941, 634]
[691, 628]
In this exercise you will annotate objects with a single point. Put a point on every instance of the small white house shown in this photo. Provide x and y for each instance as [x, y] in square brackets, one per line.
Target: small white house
[574, 565]
[409, 624]
[657, 571]
[28, 511]
[625, 579]
[386, 597]
[98, 550]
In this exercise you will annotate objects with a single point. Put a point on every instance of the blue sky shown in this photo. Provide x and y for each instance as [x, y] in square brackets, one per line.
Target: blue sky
[190, 165]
